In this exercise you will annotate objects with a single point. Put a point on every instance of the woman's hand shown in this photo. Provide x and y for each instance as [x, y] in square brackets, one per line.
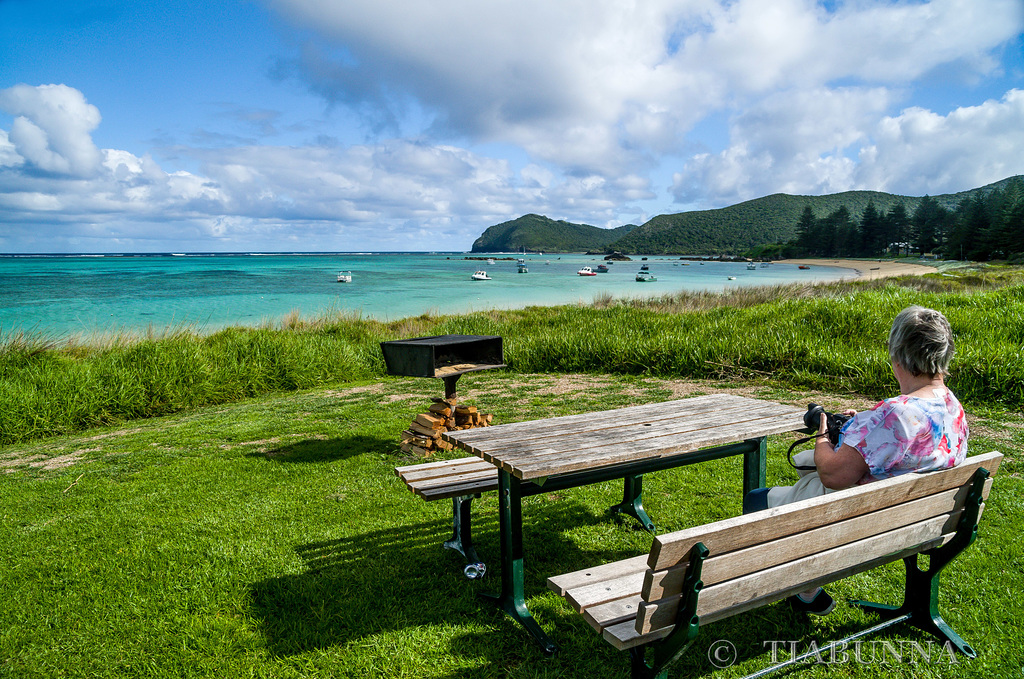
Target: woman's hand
[841, 467]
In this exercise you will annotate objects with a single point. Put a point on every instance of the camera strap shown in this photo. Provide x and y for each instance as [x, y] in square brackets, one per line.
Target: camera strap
[789, 455]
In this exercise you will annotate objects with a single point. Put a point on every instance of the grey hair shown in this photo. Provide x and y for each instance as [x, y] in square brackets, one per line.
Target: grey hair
[921, 341]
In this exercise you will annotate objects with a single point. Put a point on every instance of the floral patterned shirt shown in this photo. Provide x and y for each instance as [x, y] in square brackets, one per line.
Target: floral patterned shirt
[909, 434]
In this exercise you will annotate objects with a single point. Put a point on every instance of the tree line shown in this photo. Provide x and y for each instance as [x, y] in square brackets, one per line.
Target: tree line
[982, 227]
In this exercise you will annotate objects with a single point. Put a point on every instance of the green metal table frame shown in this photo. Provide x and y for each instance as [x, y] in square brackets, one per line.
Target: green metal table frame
[511, 491]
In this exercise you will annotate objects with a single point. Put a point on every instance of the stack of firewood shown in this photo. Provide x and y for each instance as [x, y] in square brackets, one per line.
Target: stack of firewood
[423, 436]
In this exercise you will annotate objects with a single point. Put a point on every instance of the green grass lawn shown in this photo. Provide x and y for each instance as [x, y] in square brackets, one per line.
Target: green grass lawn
[271, 538]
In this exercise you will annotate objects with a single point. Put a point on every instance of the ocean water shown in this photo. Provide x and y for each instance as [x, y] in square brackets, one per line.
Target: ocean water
[88, 295]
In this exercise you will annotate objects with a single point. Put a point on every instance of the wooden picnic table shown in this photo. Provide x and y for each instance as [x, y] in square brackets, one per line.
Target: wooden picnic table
[565, 452]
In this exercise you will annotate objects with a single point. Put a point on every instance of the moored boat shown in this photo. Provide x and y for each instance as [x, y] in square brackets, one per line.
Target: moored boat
[602, 268]
[521, 266]
[586, 271]
[480, 276]
[645, 277]
[803, 266]
[344, 276]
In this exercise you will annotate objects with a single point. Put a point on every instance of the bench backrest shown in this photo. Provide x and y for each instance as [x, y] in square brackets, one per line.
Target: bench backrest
[766, 556]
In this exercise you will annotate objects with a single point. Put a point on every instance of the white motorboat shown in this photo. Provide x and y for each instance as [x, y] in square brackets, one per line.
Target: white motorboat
[480, 276]
[344, 276]
[521, 266]
[586, 271]
[732, 278]
[490, 262]
[751, 266]
[645, 277]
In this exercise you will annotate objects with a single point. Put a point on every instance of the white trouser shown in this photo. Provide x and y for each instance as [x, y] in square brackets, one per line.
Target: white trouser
[808, 486]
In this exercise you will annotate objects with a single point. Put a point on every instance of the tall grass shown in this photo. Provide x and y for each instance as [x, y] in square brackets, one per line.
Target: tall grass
[827, 337]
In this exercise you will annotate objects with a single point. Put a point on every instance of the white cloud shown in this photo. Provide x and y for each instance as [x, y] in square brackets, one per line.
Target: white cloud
[920, 152]
[52, 128]
[603, 86]
[830, 141]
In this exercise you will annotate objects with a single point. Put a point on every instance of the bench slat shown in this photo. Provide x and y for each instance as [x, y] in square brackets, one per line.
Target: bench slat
[797, 575]
[744, 531]
[457, 490]
[441, 468]
[588, 576]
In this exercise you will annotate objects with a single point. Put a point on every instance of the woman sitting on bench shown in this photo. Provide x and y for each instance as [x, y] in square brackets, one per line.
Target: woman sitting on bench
[922, 429]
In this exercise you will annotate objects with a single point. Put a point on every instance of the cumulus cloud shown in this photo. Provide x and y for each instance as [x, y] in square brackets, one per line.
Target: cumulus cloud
[602, 85]
[832, 141]
[919, 151]
[383, 191]
[52, 129]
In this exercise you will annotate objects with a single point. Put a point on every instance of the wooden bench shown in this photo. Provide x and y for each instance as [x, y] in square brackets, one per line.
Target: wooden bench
[460, 479]
[653, 605]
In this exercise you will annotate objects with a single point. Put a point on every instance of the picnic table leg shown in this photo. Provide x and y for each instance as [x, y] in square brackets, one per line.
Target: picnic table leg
[632, 502]
[755, 462]
[510, 522]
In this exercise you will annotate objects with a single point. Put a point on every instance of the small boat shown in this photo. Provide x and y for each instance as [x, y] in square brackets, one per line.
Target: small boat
[645, 277]
[644, 267]
[751, 266]
[344, 276]
[480, 276]
[732, 278]
[803, 266]
[490, 262]
[602, 268]
[521, 266]
[586, 271]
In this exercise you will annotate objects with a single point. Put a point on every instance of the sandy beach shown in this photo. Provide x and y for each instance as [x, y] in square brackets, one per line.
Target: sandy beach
[868, 268]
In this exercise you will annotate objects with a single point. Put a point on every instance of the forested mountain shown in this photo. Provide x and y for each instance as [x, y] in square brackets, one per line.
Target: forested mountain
[540, 234]
[851, 223]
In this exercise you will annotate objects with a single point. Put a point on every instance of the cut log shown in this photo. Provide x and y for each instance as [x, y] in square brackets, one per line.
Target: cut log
[429, 432]
[414, 450]
[429, 421]
[441, 409]
[465, 410]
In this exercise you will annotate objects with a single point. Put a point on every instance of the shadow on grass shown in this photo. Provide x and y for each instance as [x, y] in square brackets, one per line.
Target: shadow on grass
[384, 580]
[316, 450]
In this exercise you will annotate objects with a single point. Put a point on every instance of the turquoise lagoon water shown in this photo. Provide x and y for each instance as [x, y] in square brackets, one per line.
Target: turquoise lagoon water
[96, 294]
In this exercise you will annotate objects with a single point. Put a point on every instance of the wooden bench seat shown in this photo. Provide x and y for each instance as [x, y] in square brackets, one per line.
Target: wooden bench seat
[699, 575]
[449, 478]
[460, 479]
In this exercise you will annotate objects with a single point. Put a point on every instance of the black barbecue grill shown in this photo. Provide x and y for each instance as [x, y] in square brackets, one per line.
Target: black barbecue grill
[445, 356]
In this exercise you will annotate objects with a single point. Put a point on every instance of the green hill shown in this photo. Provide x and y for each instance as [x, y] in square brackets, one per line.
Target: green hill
[738, 228]
[731, 230]
[540, 234]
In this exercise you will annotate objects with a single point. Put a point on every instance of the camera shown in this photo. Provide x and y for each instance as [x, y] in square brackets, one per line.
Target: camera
[833, 421]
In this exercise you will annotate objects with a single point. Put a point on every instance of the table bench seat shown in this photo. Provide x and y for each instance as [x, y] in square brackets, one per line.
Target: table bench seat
[461, 480]
[449, 478]
[699, 575]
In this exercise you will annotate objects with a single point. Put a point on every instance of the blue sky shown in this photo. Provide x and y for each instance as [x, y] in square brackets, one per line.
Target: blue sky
[392, 125]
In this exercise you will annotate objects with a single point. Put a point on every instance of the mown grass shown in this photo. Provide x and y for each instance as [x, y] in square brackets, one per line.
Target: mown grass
[829, 336]
[271, 538]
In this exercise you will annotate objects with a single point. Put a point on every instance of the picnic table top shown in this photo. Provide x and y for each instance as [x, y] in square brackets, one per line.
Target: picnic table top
[559, 445]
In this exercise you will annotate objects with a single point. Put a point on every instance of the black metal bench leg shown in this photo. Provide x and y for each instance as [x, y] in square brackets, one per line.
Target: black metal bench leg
[921, 593]
[462, 537]
[632, 502]
[920, 607]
